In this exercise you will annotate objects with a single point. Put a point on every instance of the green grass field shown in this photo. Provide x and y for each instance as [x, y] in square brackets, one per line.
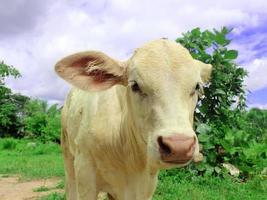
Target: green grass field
[33, 160]
[30, 159]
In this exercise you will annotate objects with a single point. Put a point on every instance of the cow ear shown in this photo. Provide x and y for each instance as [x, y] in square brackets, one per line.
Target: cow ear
[205, 71]
[91, 71]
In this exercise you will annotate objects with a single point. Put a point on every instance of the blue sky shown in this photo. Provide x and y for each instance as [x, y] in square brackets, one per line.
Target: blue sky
[34, 35]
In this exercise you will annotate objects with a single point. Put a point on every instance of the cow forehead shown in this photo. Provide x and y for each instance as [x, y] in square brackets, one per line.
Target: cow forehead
[162, 61]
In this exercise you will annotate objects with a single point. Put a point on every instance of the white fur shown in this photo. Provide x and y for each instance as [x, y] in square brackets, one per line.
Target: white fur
[109, 137]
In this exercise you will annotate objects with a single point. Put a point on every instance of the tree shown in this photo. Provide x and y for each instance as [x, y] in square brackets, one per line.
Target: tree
[21, 116]
[6, 70]
[226, 89]
[42, 121]
[221, 119]
[11, 105]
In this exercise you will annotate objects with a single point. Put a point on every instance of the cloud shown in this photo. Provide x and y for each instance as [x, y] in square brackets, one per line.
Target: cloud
[41, 32]
[19, 16]
[260, 106]
[251, 42]
[257, 71]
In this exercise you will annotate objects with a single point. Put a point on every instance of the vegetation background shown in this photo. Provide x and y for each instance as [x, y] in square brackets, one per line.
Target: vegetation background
[233, 138]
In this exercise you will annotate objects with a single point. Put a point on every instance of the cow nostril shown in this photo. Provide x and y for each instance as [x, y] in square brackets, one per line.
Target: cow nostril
[165, 149]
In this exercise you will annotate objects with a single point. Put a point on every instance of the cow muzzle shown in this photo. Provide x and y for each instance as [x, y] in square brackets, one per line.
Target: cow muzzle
[178, 149]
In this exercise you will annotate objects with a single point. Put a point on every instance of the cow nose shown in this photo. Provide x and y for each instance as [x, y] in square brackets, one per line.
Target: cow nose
[177, 148]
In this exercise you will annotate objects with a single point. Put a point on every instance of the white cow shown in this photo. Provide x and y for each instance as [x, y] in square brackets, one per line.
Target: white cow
[123, 121]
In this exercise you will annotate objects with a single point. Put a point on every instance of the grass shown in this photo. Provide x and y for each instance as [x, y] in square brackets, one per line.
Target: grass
[60, 185]
[54, 196]
[32, 159]
[41, 189]
[184, 186]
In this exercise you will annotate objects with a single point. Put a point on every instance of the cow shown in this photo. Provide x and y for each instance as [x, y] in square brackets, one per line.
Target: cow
[124, 121]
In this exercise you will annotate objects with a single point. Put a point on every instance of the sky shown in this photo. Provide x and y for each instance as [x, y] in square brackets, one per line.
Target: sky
[34, 35]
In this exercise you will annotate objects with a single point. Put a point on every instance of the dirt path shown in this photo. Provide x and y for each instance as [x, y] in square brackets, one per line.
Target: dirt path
[12, 188]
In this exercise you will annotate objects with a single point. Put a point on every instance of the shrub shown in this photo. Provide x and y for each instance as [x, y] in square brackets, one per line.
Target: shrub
[226, 90]
[11, 105]
[9, 144]
[227, 132]
[42, 122]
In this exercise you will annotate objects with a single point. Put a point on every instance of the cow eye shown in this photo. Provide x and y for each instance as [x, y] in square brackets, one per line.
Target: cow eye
[135, 87]
[199, 89]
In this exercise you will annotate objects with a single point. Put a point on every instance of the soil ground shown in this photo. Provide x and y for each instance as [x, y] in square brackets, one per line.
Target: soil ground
[13, 188]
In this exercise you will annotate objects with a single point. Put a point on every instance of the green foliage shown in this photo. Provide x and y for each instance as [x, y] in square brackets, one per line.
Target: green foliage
[20, 116]
[256, 123]
[12, 109]
[228, 133]
[243, 145]
[225, 90]
[42, 121]
[11, 105]
[6, 71]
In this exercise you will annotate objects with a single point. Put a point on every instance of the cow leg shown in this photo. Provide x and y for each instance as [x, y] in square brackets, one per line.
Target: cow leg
[85, 178]
[69, 168]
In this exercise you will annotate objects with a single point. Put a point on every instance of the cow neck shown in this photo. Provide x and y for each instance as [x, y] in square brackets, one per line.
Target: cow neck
[134, 145]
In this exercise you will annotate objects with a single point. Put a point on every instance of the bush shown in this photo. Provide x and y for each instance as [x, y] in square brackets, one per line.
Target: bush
[11, 105]
[42, 122]
[226, 90]
[9, 144]
[236, 145]
[228, 133]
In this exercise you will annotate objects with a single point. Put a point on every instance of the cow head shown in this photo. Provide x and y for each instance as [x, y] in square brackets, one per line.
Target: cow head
[162, 84]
